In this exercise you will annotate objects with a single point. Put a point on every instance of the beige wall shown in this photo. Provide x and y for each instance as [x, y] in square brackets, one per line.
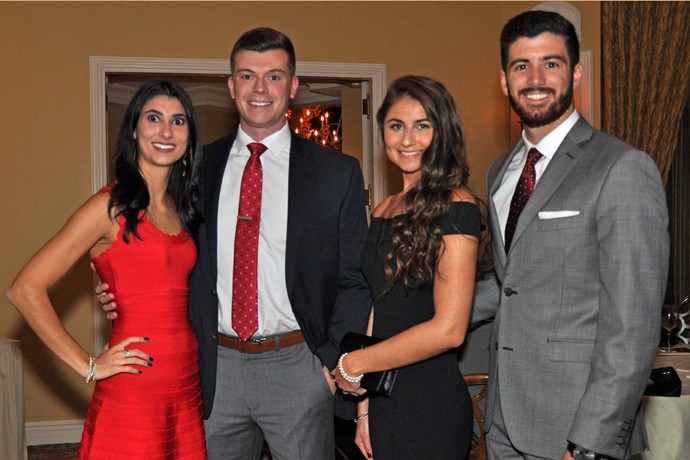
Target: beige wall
[45, 171]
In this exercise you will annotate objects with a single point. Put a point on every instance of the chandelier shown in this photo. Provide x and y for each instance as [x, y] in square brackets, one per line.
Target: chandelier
[315, 124]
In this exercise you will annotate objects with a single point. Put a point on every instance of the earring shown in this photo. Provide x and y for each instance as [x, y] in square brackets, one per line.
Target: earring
[184, 165]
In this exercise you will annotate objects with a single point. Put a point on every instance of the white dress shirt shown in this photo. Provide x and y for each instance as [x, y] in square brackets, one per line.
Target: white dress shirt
[275, 312]
[547, 147]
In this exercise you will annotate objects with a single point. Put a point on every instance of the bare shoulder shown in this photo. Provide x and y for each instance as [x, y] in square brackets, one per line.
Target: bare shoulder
[101, 219]
[97, 207]
[99, 200]
[92, 220]
[464, 194]
[383, 207]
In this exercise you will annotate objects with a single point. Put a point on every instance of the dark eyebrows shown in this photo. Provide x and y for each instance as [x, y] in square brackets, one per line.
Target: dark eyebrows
[160, 114]
[517, 61]
[550, 57]
[278, 70]
[396, 120]
[556, 57]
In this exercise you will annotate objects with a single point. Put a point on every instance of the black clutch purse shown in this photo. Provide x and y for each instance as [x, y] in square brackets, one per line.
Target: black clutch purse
[376, 382]
[665, 382]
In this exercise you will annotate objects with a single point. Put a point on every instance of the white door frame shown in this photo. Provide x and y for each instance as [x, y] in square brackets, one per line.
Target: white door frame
[374, 160]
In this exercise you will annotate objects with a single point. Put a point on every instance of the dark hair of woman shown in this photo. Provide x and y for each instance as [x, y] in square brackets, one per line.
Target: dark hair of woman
[129, 195]
[417, 237]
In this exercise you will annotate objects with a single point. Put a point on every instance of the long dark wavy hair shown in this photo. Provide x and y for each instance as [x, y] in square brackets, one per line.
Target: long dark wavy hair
[130, 195]
[417, 238]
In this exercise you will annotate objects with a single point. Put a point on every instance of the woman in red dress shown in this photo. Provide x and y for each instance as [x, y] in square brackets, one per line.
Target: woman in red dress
[147, 402]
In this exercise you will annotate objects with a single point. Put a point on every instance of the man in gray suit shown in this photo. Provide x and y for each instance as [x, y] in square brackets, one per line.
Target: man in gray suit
[581, 249]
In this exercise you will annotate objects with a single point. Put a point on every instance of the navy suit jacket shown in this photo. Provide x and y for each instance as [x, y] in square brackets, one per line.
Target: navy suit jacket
[325, 235]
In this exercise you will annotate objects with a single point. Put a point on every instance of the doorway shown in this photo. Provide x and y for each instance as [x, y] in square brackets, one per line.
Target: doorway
[322, 110]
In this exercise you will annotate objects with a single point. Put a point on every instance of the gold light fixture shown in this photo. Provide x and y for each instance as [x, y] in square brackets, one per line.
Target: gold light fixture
[315, 124]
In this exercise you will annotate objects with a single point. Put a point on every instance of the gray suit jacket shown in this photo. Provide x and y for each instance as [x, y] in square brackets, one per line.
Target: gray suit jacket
[577, 299]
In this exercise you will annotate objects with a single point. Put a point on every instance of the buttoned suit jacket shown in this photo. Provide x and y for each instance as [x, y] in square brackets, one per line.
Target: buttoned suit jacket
[577, 298]
[326, 231]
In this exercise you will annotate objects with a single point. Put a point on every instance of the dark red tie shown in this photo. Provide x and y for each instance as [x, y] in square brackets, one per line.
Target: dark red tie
[523, 191]
[245, 314]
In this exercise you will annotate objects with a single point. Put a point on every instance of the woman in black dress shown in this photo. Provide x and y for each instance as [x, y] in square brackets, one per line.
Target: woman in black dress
[420, 262]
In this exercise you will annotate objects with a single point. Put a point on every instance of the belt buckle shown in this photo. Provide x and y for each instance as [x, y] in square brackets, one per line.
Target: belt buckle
[258, 342]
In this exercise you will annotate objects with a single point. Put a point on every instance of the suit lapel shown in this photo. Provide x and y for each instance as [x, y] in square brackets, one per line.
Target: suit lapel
[562, 162]
[300, 187]
[493, 181]
[214, 171]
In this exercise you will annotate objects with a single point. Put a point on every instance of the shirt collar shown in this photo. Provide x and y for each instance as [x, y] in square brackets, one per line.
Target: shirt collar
[554, 139]
[274, 143]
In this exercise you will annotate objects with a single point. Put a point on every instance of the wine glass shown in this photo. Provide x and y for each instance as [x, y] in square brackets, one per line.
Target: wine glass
[669, 321]
[683, 312]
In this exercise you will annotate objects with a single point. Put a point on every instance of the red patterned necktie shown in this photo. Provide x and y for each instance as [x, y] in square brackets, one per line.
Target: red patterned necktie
[523, 191]
[245, 314]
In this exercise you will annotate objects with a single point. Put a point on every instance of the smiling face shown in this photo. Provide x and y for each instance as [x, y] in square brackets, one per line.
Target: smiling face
[161, 133]
[262, 87]
[407, 133]
[539, 81]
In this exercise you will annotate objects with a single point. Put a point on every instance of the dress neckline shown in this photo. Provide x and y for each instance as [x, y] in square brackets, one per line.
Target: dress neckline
[400, 216]
[181, 234]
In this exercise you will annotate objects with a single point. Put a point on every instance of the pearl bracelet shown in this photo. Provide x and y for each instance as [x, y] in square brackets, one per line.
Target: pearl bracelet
[91, 373]
[345, 375]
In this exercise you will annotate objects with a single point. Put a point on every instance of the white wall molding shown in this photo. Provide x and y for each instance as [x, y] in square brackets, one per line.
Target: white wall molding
[53, 432]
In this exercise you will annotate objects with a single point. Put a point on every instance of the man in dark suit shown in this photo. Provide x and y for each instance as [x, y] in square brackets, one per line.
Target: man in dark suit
[310, 288]
[275, 385]
[580, 271]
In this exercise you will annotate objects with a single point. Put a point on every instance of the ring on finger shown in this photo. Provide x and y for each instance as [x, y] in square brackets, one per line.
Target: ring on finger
[128, 354]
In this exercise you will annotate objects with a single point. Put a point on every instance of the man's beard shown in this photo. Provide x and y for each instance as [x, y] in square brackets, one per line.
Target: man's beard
[553, 113]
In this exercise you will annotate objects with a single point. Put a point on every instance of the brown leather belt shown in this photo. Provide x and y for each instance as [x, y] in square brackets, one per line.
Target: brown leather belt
[263, 344]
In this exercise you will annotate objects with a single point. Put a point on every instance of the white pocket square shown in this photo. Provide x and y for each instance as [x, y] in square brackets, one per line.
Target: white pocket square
[544, 215]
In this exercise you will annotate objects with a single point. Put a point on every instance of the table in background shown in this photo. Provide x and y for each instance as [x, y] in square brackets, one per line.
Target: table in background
[13, 445]
[668, 418]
